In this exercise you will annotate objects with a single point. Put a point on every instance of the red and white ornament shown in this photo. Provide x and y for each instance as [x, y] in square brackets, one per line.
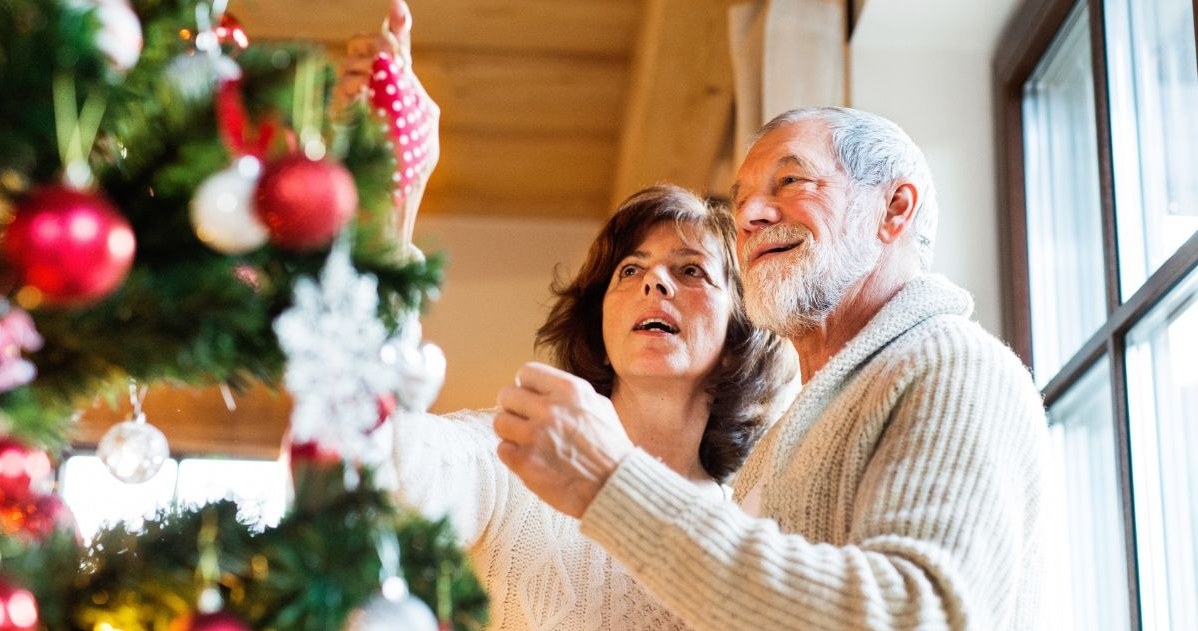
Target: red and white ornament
[72, 246]
[411, 121]
[305, 203]
[18, 607]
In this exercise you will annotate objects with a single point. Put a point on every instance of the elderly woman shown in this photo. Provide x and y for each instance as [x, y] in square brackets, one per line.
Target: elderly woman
[654, 320]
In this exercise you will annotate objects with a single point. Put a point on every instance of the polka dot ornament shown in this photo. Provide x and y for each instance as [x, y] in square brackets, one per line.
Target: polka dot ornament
[411, 121]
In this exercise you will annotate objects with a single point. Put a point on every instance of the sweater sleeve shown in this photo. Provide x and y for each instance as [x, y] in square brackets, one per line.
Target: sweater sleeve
[937, 536]
[447, 466]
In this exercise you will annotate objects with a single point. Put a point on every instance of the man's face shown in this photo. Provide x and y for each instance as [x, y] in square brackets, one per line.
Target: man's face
[806, 235]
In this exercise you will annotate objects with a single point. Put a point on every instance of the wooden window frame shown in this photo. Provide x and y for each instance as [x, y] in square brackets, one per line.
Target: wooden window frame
[1021, 47]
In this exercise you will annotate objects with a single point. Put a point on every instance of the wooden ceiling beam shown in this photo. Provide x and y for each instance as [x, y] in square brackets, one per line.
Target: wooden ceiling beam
[680, 100]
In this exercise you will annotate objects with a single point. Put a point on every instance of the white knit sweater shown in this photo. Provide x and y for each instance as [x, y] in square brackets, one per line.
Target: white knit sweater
[538, 570]
[902, 491]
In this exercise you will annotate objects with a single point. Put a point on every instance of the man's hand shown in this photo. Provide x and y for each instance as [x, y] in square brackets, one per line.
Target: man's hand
[560, 436]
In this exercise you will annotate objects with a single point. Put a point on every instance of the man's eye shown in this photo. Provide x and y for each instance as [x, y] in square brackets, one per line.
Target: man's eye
[694, 271]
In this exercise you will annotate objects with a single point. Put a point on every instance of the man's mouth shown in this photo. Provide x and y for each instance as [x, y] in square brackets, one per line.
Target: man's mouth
[656, 324]
[772, 248]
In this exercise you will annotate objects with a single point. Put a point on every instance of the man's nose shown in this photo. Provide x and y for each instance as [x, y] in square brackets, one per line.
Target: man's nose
[756, 212]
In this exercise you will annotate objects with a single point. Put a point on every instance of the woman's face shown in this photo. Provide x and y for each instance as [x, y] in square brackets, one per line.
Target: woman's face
[667, 307]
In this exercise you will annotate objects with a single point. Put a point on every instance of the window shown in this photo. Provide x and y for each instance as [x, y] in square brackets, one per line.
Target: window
[97, 498]
[1099, 119]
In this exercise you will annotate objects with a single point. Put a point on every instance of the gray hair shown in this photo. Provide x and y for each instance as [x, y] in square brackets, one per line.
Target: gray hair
[873, 151]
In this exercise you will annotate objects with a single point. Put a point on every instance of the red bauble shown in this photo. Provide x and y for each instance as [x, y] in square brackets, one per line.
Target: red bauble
[305, 203]
[231, 34]
[219, 621]
[21, 466]
[71, 245]
[18, 607]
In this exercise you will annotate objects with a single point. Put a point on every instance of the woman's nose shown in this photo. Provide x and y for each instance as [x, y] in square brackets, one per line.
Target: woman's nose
[657, 283]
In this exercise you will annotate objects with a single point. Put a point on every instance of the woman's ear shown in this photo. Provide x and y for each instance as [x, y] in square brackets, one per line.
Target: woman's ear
[900, 210]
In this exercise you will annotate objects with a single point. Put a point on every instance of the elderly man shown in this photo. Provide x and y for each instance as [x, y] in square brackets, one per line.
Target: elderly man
[900, 491]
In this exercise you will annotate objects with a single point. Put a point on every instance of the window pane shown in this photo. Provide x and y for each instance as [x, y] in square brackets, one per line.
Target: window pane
[1154, 131]
[258, 486]
[98, 499]
[1163, 402]
[1088, 565]
[1065, 265]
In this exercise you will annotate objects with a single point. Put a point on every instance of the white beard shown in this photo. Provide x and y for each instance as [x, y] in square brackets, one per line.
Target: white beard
[792, 293]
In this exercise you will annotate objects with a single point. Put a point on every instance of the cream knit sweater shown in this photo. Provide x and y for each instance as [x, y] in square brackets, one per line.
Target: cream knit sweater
[902, 491]
[538, 570]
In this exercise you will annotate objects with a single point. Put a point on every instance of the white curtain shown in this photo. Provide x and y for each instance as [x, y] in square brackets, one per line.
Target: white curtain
[785, 54]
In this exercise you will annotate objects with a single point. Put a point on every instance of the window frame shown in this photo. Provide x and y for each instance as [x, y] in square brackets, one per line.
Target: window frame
[1024, 42]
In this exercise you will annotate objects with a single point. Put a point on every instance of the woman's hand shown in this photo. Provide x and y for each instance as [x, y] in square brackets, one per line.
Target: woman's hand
[559, 436]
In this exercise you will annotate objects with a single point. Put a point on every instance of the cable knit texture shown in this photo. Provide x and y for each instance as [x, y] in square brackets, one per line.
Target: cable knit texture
[539, 570]
[901, 491]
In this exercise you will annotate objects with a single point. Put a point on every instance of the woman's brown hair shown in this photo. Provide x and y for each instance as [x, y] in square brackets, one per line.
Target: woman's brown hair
[753, 365]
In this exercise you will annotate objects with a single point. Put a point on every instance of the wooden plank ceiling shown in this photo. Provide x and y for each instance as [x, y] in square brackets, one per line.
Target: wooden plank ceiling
[550, 108]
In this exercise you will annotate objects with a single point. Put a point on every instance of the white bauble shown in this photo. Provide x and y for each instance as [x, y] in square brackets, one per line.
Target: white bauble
[133, 450]
[392, 609]
[222, 211]
[119, 37]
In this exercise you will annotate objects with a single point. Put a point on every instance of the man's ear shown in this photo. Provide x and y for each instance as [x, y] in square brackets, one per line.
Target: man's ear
[900, 210]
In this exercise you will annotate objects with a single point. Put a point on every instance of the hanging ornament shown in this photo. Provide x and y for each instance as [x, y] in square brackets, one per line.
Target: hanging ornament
[332, 336]
[18, 607]
[17, 335]
[195, 73]
[411, 118]
[119, 37]
[222, 211]
[217, 621]
[304, 202]
[133, 450]
[231, 35]
[304, 199]
[22, 468]
[394, 607]
[400, 99]
[72, 246]
[34, 517]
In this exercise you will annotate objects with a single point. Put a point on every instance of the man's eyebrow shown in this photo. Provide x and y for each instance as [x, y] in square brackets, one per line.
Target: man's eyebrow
[789, 159]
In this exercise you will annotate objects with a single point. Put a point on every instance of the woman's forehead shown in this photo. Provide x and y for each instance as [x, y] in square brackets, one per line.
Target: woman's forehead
[692, 235]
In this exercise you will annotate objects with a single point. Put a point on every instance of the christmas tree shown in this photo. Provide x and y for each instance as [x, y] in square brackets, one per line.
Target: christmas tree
[183, 204]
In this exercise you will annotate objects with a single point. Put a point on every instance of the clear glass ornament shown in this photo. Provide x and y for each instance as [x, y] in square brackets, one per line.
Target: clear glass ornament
[384, 613]
[133, 450]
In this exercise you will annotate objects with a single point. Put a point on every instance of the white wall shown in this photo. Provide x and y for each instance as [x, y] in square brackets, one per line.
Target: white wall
[495, 295]
[925, 64]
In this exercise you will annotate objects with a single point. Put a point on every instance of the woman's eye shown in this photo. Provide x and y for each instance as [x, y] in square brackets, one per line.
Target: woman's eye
[626, 271]
[694, 271]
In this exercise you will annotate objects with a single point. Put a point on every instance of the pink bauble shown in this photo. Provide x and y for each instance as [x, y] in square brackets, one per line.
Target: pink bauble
[18, 607]
[72, 246]
[20, 467]
[305, 203]
[219, 621]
